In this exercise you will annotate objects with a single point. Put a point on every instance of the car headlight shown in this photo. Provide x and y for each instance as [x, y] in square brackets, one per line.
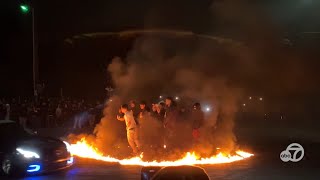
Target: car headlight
[67, 145]
[28, 153]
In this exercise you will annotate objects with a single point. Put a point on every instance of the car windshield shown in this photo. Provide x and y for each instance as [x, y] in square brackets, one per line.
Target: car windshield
[13, 130]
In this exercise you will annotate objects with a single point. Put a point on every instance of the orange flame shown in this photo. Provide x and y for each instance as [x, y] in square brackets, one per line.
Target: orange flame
[85, 150]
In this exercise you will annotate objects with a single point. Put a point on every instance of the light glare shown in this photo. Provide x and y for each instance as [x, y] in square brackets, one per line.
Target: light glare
[70, 161]
[67, 145]
[28, 154]
[24, 8]
[34, 168]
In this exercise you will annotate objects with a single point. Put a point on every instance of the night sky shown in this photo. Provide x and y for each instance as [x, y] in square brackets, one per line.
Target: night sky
[58, 20]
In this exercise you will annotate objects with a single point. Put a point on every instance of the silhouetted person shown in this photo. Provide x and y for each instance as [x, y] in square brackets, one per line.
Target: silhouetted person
[8, 111]
[2, 111]
[171, 116]
[144, 112]
[23, 116]
[135, 110]
[197, 117]
[58, 115]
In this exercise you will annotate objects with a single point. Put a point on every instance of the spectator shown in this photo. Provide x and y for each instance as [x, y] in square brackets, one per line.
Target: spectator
[23, 116]
[51, 115]
[49, 111]
[43, 112]
[7, 116]
[59, 115]
[2, 111]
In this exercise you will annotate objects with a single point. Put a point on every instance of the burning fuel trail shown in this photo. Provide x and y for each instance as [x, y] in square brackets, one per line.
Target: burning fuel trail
[83, 149]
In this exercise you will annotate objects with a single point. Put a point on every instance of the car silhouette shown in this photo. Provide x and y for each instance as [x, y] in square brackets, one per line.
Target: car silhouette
[23, 152]
[174, 172]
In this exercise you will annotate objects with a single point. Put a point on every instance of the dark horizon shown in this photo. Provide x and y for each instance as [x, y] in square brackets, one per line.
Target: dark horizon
[55, 26]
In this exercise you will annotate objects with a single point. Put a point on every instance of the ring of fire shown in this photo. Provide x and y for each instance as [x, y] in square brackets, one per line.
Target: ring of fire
[85, 150]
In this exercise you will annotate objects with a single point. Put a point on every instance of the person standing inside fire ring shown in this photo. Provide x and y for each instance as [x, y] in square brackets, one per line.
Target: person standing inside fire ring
[197, 121]
[135, 110]
[131, 126]
[170, 121]
[144, 112]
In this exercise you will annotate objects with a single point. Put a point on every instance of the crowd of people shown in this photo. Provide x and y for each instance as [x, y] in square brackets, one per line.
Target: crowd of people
[160, 124]
[48, 112]
[172, 121]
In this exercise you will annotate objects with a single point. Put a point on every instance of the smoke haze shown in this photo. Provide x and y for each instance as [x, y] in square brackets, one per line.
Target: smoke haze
[159, 64]
[201, 69]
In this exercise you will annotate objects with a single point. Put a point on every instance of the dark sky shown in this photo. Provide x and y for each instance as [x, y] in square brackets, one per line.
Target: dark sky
[57, 20]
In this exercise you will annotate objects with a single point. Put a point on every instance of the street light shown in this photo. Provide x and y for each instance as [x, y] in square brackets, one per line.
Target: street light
[25, 8]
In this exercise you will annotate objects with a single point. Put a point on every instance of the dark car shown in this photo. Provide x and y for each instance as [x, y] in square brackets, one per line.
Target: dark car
[174, 172]
[24, 152]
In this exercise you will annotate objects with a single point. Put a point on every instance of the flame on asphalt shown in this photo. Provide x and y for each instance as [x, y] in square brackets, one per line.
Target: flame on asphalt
[83, 149]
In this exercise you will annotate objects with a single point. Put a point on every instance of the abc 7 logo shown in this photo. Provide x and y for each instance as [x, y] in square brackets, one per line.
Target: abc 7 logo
[286, 155]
